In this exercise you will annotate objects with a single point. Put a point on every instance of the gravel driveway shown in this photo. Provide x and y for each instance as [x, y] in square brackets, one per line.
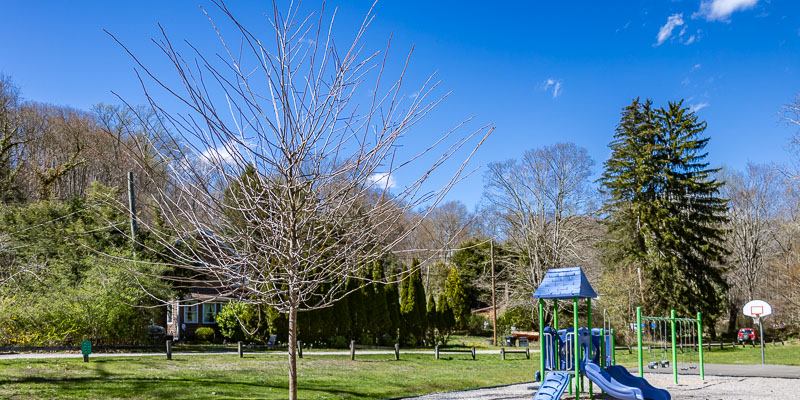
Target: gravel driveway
[690, 387]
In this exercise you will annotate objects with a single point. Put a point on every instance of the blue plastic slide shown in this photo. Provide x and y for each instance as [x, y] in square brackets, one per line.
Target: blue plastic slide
[554, 385]
[603, 380]
[624, 377]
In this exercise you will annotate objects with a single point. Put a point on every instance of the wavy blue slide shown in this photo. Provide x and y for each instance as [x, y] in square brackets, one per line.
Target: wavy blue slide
[624, 377]
[609, 385]
[554, 385]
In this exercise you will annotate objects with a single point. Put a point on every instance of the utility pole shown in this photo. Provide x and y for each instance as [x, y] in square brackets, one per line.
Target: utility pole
[132, 205]
[494, 303]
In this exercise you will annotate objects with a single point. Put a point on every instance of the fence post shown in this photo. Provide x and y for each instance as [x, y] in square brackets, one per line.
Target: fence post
[169, 349]
[241, 353]
[397, 351]
[503, 353]
[352, 350]
[300, 349]
[436, 353]
[528, 353]
[473, 352]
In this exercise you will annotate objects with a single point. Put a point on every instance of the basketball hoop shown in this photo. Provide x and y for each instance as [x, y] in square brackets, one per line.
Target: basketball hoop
[758, 309]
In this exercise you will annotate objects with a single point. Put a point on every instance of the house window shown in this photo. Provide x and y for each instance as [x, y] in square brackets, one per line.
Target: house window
[169, 313]
[190, 315]
[210, 313]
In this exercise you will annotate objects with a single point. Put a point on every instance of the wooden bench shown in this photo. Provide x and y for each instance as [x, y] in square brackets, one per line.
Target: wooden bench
[354, 346]
[437, 351]
[503, 353]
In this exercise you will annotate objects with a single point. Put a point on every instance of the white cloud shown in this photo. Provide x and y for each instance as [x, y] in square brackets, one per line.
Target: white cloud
[695, 67]
[553, 84]
[665, 32]
[220, 154]
[698, 106]
[721, 10]
[382, 179]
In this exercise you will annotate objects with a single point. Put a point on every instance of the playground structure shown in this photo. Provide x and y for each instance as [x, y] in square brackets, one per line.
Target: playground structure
[656, 328]
[567, 355]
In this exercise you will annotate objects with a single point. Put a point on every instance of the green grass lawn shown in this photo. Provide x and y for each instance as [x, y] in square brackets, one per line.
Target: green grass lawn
[320, 377]
[260, 376]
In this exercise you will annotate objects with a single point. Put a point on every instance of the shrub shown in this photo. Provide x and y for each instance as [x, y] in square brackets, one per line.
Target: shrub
[475, 326]
[204, 334]
[338, 342]
[516, 316]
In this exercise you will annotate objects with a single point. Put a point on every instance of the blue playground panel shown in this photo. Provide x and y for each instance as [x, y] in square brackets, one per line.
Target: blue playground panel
[553, 386]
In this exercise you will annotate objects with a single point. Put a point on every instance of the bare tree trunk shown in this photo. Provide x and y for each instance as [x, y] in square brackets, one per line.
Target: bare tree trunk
[733, 313]
[292, 355]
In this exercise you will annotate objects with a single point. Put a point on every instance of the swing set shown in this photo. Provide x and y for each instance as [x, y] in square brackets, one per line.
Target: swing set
[684, 334]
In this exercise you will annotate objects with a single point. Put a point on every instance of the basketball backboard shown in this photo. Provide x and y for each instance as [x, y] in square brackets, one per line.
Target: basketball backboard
[757, 309]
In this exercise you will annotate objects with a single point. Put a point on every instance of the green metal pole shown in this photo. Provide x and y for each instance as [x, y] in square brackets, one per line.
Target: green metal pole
[613, 349]
[589, 323]
[602, 348]
[700, 344]
[639, 339]
[577, 346]
[674, 349]
[555, 328]
[541, 340]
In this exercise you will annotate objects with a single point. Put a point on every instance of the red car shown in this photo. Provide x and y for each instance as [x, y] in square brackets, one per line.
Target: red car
[747, 334]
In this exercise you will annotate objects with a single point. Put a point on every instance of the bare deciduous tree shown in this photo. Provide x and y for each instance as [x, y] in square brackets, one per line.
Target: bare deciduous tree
[755, 203]
[281, 193]
[543, 202]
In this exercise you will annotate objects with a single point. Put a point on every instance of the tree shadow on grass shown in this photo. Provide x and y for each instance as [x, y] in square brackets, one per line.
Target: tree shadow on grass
[108, 385]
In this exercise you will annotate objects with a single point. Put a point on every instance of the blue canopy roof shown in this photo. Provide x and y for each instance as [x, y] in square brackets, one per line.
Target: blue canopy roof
[564, 283]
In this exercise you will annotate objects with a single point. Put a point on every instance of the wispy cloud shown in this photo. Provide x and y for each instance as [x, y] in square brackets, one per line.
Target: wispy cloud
[698, 106]
[695, 67]
[554, 85]
[721, 10]
[382, 179]
[218, 155]
[665, 32]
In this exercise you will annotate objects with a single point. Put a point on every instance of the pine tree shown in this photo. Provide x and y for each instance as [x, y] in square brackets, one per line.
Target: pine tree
[358, 310]
[446, 321]
[393, 306]
[412, 303]
[376, 303]
[456, 298]
[664, 213]
[433, 318]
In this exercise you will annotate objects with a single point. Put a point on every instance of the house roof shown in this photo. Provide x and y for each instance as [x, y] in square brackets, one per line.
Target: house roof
[565, 283]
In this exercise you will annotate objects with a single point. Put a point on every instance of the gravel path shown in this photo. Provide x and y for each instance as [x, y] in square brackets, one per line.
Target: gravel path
[714, 388]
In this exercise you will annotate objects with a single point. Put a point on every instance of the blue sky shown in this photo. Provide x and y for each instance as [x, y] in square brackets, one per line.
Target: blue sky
[540, 72]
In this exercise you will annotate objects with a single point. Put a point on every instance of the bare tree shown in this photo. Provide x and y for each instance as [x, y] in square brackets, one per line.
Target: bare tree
[282, 192]
[755, 203]
[445, 228]
[542, 202]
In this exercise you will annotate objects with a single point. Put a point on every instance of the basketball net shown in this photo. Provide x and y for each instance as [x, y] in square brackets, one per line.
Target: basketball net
[757, 318]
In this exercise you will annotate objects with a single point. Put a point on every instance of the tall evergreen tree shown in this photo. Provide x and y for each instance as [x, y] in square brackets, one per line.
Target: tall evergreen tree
[664, 213]
[432, 317]
[412, 303]
[456, 298]
[447, 320]
[393, 306]
[376, 303]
